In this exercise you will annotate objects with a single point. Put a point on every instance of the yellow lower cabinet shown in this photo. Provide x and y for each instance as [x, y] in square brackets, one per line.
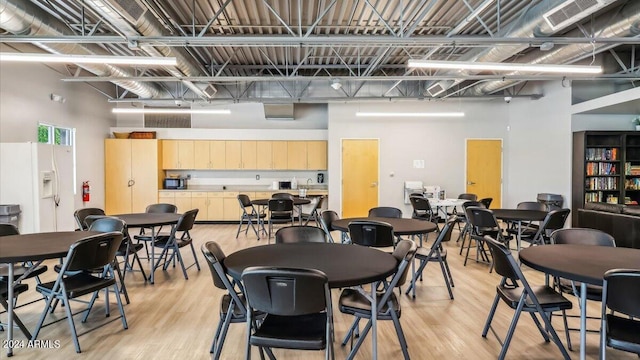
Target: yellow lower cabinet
[216, 205]
[199, 201]
[183, 201]
[231, 206]
[166, 197]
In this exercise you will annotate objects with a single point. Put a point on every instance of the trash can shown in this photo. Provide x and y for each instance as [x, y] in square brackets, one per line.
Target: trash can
[10, 214]
[551, 201]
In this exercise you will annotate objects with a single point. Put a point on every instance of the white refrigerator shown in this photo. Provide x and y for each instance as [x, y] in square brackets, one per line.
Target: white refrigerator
[38, 177]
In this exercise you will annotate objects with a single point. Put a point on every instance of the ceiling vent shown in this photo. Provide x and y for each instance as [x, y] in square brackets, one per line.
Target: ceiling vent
[167, 121]
[207, 89]
[439, 87]
[572, 11]
[131, 10]
[278, 111]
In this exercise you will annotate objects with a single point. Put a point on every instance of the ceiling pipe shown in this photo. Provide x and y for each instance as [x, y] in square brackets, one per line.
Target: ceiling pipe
[23, 18]
[147, 25]
[530, 24]
[626, 26]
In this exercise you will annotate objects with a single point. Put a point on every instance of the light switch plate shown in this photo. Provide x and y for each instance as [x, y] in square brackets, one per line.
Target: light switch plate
[418, 164]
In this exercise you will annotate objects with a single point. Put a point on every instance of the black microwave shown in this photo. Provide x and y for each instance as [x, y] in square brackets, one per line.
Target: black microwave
[175, 183]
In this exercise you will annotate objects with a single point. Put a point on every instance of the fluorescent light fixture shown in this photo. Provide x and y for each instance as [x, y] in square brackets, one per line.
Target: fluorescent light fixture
[170, 111]
[410, 114]
[88, 59]
[466, 65]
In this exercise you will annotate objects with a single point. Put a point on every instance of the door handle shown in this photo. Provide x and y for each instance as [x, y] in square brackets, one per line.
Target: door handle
[374, 184]
[130, 183]
[470, 183]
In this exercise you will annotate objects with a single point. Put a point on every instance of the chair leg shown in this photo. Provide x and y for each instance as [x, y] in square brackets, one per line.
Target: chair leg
[512, 328]
[446, 265]
[492, 312]
[400, 333]
[221, 333]
[566, 330]
[47, 308]
[137, 259]
[351, 332]
[72, 326]
[446, 278]
[16, 319]
[543, 332]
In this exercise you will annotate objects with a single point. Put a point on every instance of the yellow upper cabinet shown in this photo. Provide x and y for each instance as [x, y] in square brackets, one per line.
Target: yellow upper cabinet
[178, 154]
[202, 158]
[264, 156]
[279, 155]
[217, 154]
[317, 155]
[233, 155]
[297, 155]
[248, 154]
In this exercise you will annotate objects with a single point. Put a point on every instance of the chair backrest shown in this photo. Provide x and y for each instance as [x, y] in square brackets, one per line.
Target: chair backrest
[298, 234]
[186, 221]
[108, 224]
[404, 252]
[445, 233]
[482, 220]
[244, 200]
[621, 292]
[282, 196]
[582, 236]
[328, 217]
[503, 262]
[280, 205]
[385, 211]
[420, 205]
[371, 233]
[468, 196]
[416, 194]
[554, 220]
[486, 202]
[8, 229]
[92, 252]
[531, 205]
[81, 214]
[471, 203]
[89, 220]
[286, 291]
[162, 208]
[214, 255]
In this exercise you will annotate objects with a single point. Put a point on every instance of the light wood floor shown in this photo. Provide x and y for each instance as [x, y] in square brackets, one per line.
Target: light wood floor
[176, 318]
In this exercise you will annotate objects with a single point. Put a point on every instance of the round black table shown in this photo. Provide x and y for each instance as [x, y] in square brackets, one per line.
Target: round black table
[401, 226]
[33, 247]
[519, 215]
[344, 265]
[584, 263]
[149, 220]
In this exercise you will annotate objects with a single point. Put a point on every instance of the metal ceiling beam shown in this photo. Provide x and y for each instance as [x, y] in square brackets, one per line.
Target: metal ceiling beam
[625, 76]
[285, 40]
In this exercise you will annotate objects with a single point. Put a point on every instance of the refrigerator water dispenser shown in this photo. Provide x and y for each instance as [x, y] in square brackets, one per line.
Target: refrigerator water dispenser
[47, 180]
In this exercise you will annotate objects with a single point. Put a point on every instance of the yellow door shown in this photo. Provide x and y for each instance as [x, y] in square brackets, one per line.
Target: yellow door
[144, 173]
[484, 169]
[359, 176]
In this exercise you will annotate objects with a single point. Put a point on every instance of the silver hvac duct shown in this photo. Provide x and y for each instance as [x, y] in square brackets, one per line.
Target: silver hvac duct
[626, 26]
[23, 18]
[531, 24]
[132, 19]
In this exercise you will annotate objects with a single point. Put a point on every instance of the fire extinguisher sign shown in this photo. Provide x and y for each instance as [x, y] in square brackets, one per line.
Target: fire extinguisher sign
[86, 191]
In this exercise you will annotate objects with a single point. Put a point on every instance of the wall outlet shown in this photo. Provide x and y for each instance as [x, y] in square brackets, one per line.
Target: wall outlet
[258, 177]
[188, 176]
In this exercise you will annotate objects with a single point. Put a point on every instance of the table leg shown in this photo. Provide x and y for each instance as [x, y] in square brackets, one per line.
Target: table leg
[153, 262]
[374, 321]
[300, 213]
[583, 321]
[10, 296]
[519, 237]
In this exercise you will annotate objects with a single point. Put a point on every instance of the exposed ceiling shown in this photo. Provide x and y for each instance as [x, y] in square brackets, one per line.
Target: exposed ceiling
[295, 50]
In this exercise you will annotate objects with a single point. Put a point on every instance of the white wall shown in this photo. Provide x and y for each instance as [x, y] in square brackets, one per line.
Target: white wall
[536, 138]
[539, 146]
[25, 101]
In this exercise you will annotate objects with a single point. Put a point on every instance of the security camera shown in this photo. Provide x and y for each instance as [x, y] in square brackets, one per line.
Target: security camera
[507, 99]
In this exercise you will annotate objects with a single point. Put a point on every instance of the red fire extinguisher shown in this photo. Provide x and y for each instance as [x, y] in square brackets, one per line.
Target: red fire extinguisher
[86, 190]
